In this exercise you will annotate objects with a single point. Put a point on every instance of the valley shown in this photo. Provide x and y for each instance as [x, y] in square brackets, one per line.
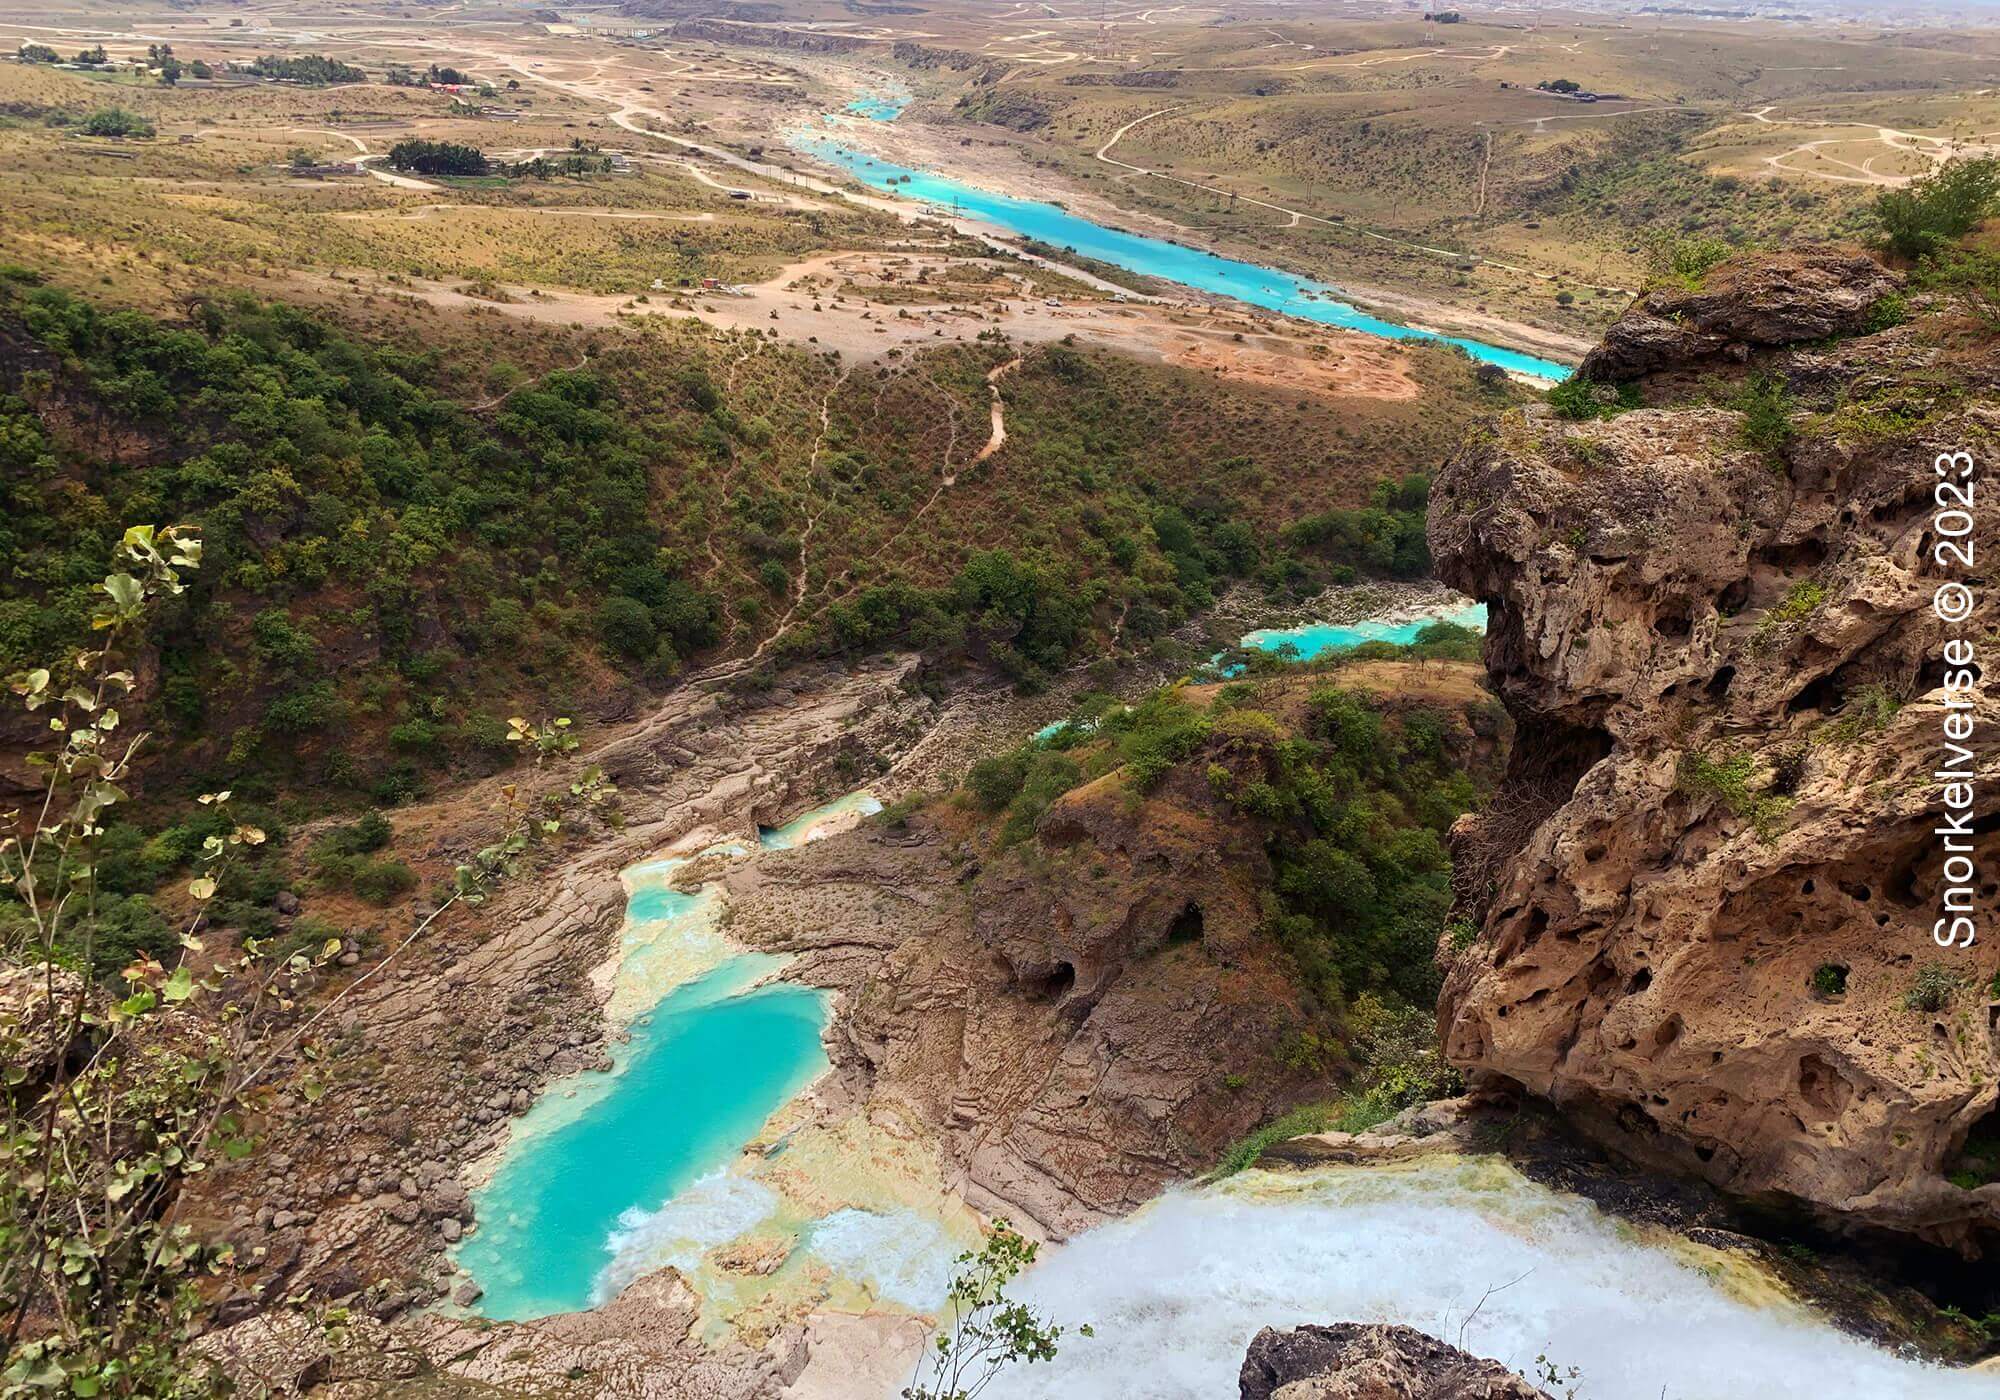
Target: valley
[751, 646]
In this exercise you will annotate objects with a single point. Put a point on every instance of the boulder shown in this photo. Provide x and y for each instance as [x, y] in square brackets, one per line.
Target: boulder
[1803, 295]
[1356, 1361]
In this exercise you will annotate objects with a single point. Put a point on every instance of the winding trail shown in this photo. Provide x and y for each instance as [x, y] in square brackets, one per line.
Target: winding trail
[361, 161]
[485, 405]
[999, 434]
[1935, 150]
[801, 586]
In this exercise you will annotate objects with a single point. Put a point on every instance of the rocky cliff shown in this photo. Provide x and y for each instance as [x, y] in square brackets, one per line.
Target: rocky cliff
[1705, 897]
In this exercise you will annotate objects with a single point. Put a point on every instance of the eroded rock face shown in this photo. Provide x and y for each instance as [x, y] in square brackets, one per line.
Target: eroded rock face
[1707, 893]
[1083, 1018]
[1353, 1361]
[1806, 294]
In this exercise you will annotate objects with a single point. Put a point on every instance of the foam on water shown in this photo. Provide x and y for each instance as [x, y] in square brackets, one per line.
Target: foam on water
[1176, 1292]
[708, 1214]
[901, 1256]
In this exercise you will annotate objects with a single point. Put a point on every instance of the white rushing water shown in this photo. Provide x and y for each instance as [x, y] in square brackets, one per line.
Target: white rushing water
[1176, 1292]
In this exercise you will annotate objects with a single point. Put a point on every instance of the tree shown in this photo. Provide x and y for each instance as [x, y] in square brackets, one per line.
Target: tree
[987, 1332]
[39, 53]
[92, 57]
[198, 69]
[627, 627]
[312, 69]
[1939, 207]
[438, 158]
[116, 121]
[170, 70]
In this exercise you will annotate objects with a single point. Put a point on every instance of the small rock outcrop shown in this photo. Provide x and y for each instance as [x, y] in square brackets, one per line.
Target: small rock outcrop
[1354, 1361]
[1707, 892]
[1742, 308]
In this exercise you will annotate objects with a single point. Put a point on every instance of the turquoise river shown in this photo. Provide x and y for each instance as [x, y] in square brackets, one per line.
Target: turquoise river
[1153, 257]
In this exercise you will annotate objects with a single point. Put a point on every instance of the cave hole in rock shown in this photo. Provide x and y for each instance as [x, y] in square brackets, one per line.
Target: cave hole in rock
[1718, 684]
[1823, 1087]
[1799, 557]
[1930, 676]
[1549, 759]
[1828, 980]
[1187, 925]
[1817, 695]
[1976, 1161]
[1638, 982]
[1674, 620]
[1902, 883]
[1734, 597]
[1052, 985]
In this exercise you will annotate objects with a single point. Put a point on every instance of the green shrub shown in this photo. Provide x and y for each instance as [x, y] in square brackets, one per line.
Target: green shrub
[626, 627]
[1579, 399]
[1727, 780]
[115, 121]
[1937, 208]
[996, 780]
[1868, 710]
[1766, 405]
[1932, 990]
[315, 707]
[383, 881]
[1685, 260]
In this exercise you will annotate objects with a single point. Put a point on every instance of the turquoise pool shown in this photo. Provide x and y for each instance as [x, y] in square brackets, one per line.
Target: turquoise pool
[879, 106]
[1316, 639]
[709, 1057]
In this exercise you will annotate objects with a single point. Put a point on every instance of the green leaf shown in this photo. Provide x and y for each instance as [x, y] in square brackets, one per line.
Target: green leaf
[202, 888]
[124, 590]
[180, 986]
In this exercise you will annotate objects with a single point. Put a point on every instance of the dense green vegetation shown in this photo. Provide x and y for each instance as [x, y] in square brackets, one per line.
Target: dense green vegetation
[438, 158]
[389, 574]
[315, 70]
[1384, 537]
[358, 527]
[1642, 179]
